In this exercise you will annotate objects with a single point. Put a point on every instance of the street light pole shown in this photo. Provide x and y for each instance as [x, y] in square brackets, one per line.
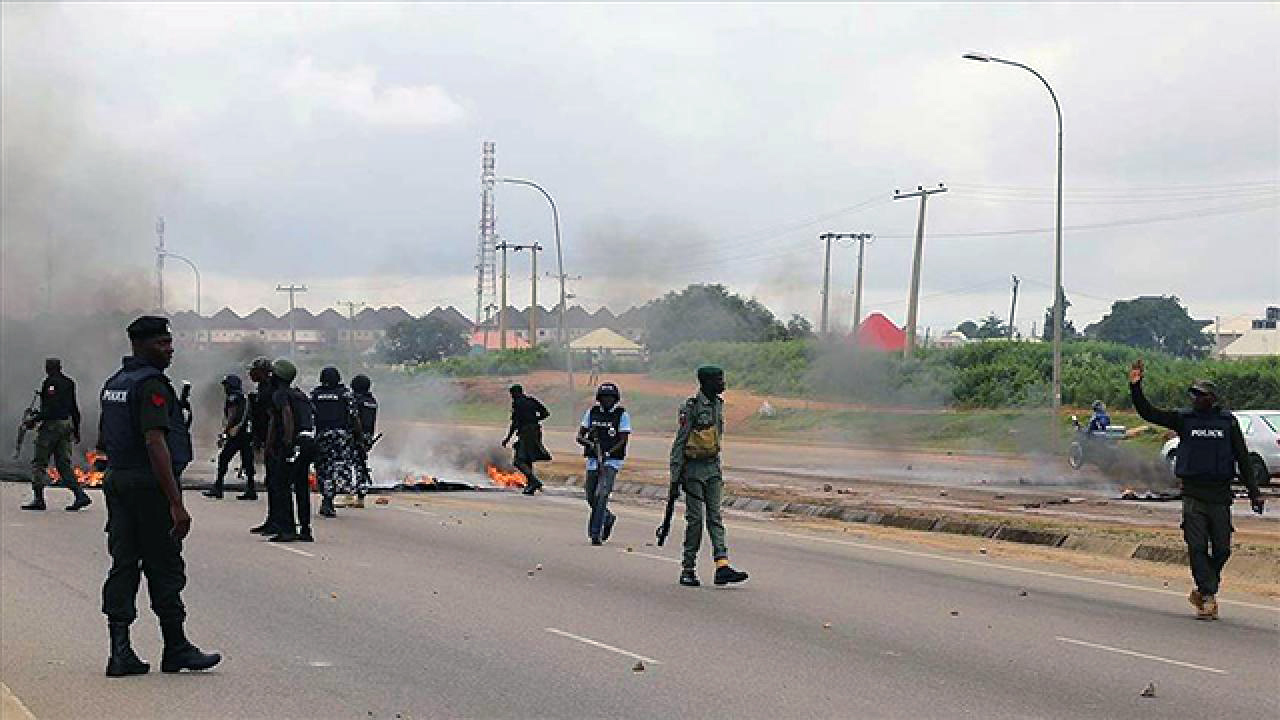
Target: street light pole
[1058, 309]
[555, 217]
[194, 269]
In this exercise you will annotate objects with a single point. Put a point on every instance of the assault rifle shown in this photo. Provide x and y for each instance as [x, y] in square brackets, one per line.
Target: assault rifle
[27, 416]
[184, 402]
[665, 528]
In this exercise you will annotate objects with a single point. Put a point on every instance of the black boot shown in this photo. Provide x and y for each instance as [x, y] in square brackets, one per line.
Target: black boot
[123, 661]
[180, 654]
[37, 499]
[214, 492]
[81, 501]
[250, 493]
[304, 534]
[266, 528]
[689, 578]
[284, 536]
[326, 508]
[608, 527]
[726, 575]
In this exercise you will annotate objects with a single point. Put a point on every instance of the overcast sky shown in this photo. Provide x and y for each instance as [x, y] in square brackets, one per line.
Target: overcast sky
[339, 146]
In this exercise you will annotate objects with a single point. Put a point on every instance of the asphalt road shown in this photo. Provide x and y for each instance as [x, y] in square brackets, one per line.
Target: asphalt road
[434, 606]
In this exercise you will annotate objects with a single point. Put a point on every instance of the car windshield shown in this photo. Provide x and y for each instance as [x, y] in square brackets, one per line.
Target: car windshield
[1246, 423]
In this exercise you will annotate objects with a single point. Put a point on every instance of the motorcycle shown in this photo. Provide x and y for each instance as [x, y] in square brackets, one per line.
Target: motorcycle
[1096, 448]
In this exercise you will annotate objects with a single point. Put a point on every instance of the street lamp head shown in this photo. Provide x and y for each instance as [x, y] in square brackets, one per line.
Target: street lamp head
[980, 57]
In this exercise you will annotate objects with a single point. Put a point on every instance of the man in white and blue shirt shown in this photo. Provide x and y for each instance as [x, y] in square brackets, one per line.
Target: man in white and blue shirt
[603, 436]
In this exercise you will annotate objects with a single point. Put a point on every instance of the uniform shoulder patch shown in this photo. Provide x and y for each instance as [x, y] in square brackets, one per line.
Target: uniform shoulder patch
[157, 399]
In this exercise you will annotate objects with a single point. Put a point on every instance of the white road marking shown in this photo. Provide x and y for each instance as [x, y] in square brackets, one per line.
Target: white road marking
[304, 553]
[647, 555]
[1144, 656]
[610, 648]
[11, 704]
[415, 511]
[320, 663]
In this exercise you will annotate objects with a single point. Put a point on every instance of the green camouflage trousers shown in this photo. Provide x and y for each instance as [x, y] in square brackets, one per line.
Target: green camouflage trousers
[53, 441]
[703, 486]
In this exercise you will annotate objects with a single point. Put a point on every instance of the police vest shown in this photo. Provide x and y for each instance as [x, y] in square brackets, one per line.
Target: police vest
[332, 407]
[367, 407]
[237, 406]
[604, 427]
[126, 447]
[304, 415]
[1204, 448]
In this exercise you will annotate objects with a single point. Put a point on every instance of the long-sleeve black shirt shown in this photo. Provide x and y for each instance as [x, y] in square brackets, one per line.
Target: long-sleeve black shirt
[58, 400]
[526, 410]
[1215, 492]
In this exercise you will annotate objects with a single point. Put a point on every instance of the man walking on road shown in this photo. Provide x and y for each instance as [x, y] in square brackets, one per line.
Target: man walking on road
[695, 464]
[335, 420]
[234, 439]
[1210, 449]
[59, 428]
[293, 445]
[603, 435]
[144, 435]
[527, 415]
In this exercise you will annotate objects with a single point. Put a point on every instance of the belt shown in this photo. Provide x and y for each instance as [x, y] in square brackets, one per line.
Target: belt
[306, 433]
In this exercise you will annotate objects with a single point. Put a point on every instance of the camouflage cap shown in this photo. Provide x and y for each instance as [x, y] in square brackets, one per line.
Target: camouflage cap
[1203, 387]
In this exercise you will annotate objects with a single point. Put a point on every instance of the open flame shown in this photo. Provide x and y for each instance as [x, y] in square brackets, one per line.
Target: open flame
[504, 478]
[86, 478]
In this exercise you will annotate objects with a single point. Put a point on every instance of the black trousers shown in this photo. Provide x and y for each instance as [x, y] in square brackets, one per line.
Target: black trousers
[140, 542]
[271, 466]
[239, 445]
[293, 476]
[1206, 527]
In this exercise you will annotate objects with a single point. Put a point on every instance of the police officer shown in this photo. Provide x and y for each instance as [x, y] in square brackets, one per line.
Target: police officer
[695, 465]
[59, 428]
[292, 443]
[527, 415]
[366, 424]
[1210, 449]
[235, 437]
[147, 444]
[603, 434]
[1100, 420]
[263, 421]
[335, 423]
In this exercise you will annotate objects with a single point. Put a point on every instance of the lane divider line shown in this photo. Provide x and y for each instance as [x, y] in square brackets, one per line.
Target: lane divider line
[11, 704]
[278, 546]
[602, 646]
[647, 555]
[415, 511]
[1144, 656]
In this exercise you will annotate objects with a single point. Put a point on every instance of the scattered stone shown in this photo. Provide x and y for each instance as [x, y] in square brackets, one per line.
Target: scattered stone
[943, 493]
[648, 544]
[630, 549]
[333, 595]
[1022, 593]
[484, 514]
[538, 566]
[530, 573]
[1032, 506]
[1150, 691]
[955, 613]
[638, 667]
[826, 488]
[908, 467]
[982, 551]
[382, 501]
[826, 626]
[999, 496]
[1166, 583]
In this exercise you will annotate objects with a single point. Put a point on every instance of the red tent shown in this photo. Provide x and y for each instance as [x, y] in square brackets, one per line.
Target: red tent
[878, 332]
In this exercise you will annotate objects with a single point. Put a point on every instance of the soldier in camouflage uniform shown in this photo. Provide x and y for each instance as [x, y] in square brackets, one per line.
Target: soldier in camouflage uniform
[695, 465]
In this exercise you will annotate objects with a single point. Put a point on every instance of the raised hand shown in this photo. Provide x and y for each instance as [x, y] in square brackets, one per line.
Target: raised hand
[1137, 371]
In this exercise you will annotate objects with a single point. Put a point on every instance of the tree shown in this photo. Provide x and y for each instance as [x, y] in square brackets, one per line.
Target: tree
[968, 328]
[992, 327]
[1154, 323]
[422, 340]
[1068, 327]
[799, 328]
[709, 312]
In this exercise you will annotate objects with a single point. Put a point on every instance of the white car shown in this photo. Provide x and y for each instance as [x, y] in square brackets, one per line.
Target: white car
[1261, 430]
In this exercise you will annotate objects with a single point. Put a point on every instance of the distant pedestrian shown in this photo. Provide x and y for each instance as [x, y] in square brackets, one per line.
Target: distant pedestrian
[527, 415]
[58, 423]
[234, 439]
[1211, 451]
[695, 464]
[147, 444]
[603, 434]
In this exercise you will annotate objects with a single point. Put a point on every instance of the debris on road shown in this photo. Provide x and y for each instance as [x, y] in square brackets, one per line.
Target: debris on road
[826, 488]
[982, 551]
[826, 626]
[638, 667]
[1150, 692]
[630, 549]
[955, 613]
[382, 501]
[333, 595]
[538, 566]
[1022, 593]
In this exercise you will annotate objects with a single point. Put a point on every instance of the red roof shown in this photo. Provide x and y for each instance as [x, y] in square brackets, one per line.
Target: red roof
[514, 341]
[879, 333]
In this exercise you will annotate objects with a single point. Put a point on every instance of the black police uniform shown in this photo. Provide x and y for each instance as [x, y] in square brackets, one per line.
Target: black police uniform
[138, 398]
[334, 422]
[235, 412]
[294, 460]
[367, 416]
[1210, 447]
[265, 415]
[603, 427]
[59, 424]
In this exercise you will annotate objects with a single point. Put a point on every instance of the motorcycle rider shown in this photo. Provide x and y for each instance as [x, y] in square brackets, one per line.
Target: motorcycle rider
[1100, 420]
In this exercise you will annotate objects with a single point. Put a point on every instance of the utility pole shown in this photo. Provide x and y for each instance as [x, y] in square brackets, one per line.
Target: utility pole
[1013, 306]
[533, 308]
[913, 299]
[826, 280]
[502, 303]
[293, 333]
[160, 265]
[351, 340]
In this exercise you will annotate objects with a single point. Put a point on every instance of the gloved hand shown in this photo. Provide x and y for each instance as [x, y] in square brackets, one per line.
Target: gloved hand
[100, 463]
[1257, 502]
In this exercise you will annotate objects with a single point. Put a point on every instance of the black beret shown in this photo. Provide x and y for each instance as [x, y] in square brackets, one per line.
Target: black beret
[148, 326]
